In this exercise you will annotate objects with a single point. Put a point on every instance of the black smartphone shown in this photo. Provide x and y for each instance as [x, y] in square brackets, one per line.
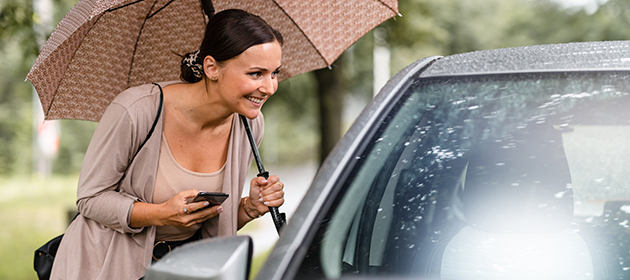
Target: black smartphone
[212, 197]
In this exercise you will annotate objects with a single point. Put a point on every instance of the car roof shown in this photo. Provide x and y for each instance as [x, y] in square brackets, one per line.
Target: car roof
[583, 56]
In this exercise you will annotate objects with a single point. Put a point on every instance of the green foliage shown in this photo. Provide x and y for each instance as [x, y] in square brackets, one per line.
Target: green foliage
[610, 22]
[73, 143]
[15, 111]
[18, 50]
[454, 26]
[358, 66]
[426, 28]
[16, 25]
[290, 122]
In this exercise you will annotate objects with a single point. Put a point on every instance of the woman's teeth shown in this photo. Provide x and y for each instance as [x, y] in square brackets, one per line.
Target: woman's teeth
[255, 100]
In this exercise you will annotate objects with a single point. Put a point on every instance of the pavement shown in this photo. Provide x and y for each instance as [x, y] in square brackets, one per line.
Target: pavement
[297, 179]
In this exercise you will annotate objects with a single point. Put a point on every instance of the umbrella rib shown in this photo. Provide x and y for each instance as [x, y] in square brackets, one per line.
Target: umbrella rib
[133, 55]
[166, 5]
[305, 36]
[50, 105]
[396, 12]
[128, 4]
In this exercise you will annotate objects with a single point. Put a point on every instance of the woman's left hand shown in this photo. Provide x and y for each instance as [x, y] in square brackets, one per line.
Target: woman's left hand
[264, 193]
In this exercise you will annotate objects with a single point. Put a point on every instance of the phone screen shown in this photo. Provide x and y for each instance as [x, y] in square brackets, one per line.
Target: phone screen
[212, 197]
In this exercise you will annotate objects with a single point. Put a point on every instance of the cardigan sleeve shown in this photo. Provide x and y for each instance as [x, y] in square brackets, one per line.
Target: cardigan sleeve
[106, 160]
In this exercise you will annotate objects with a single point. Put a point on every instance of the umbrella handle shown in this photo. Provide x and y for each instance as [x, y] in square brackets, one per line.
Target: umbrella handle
[279, 219]
[208, 8]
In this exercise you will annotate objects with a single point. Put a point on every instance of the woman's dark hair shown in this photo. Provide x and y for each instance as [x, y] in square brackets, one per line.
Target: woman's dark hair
[228, 34]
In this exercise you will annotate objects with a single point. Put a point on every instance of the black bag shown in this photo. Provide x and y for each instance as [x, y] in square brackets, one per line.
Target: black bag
[45, 255]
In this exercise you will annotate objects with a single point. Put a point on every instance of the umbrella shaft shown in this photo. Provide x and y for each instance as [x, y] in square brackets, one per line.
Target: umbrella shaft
[279, 219]
[252, 142]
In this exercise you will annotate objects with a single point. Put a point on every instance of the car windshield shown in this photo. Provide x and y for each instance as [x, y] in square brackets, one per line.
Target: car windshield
[514, 176]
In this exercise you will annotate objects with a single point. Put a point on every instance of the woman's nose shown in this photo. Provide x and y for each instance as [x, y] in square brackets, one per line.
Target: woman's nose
[268, 86]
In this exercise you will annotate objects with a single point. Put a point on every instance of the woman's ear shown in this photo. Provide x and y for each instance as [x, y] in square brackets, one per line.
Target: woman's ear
[210, 68]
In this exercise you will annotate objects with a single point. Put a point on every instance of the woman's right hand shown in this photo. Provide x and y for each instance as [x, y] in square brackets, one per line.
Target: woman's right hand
[173, 212]
[182, 214]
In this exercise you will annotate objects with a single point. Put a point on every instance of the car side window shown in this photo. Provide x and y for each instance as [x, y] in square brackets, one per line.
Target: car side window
[464, 172]
[377, 227]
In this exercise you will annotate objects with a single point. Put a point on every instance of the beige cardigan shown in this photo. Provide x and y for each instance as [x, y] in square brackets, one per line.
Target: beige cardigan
[99, 244]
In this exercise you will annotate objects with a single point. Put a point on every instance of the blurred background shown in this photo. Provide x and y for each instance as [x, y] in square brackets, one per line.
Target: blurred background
[40, 160]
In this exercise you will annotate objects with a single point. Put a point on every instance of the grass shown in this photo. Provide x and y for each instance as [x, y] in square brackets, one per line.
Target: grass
[32, 211]
[257, 261]
[260, 255]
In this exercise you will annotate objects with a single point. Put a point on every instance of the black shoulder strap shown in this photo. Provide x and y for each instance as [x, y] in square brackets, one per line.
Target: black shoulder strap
[157, 118]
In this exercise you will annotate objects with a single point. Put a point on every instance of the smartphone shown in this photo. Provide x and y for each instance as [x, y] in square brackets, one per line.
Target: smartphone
[212, 197]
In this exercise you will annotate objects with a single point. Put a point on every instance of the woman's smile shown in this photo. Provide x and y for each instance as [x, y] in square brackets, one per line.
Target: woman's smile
[255, 100]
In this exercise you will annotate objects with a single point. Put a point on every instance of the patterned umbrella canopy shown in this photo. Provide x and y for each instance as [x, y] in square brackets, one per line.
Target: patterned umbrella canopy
[103, 47]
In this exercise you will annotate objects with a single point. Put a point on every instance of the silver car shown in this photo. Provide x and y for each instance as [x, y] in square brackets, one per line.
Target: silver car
[499, 164]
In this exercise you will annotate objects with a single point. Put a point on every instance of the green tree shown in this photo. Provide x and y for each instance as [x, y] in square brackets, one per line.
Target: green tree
[454, 26]
[330, 92]
[290, 122]
[17, 49]
[294, 116]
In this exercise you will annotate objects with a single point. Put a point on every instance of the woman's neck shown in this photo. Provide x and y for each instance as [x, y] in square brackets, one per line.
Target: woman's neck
[191, 106]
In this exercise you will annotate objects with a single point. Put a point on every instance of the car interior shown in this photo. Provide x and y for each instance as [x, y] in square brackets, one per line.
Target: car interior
[518, 208]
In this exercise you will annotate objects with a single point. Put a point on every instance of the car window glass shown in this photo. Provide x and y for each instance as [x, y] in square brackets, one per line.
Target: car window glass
[465, 171]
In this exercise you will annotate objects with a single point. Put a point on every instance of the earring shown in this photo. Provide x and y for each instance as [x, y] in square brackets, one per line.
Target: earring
[214, 78]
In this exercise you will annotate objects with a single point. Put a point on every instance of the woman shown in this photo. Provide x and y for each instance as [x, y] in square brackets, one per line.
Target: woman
[133, 197]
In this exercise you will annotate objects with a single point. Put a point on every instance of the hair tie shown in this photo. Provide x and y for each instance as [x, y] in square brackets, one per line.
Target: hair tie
[190, 60]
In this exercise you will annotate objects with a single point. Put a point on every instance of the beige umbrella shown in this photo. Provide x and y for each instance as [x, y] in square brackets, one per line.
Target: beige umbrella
[103, 47]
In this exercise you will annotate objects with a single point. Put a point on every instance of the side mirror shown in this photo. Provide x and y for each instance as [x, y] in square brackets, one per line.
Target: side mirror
[208, 259]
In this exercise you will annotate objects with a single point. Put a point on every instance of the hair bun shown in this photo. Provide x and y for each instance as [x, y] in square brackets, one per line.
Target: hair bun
[192, 70]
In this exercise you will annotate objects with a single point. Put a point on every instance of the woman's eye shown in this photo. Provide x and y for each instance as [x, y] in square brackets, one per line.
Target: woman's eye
[275, 73]
[255, 74]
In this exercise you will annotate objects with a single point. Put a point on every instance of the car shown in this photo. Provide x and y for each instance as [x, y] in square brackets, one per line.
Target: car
[498, 164]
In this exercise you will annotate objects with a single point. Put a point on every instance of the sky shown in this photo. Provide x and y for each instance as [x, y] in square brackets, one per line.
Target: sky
[589, 5]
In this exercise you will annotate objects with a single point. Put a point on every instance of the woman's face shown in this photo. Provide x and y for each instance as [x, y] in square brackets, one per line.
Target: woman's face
[246, 81]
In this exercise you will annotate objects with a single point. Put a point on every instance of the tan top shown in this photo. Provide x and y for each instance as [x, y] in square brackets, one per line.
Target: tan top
[173, 178]
[99, 244]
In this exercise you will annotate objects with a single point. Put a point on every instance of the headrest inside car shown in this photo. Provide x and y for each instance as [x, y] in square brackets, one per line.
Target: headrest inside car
[519, 183]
